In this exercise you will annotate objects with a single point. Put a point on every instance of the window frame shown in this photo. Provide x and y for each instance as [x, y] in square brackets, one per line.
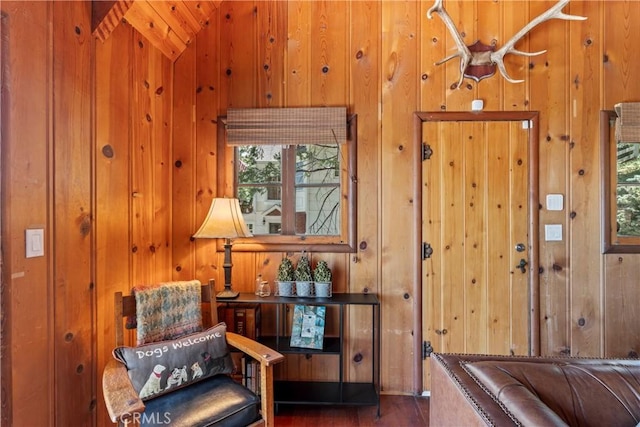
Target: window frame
[611, 242]
[343, 243]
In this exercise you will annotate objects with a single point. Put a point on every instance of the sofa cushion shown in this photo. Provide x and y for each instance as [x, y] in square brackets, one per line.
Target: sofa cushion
[155, 369]
[563, 393]
[218, 401]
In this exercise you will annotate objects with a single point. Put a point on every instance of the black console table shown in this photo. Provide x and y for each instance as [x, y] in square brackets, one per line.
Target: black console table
[339, 392]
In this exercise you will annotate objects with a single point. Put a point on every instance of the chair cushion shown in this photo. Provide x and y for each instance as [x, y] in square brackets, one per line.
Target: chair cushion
[156, 369]
[218, 401]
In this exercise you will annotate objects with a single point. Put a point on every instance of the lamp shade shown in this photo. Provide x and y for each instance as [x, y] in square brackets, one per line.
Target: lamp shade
[224, 220]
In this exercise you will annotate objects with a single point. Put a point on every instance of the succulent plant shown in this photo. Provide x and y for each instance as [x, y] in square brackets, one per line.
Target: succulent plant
[303, 270]
[322, 272]
[285, 271]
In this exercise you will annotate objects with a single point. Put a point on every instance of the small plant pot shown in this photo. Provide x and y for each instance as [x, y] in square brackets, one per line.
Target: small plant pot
[304, 289]
[323, 289]
[285, 289]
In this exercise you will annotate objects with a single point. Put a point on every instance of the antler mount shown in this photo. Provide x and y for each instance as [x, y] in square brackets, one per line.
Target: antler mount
[479, 61]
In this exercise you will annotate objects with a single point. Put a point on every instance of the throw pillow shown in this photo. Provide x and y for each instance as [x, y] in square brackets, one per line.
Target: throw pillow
[159, 368]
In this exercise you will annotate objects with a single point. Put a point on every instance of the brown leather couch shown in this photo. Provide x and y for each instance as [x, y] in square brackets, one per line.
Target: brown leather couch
[479, 390]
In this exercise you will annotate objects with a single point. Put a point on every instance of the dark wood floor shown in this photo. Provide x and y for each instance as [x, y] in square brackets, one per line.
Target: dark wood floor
[395, 411]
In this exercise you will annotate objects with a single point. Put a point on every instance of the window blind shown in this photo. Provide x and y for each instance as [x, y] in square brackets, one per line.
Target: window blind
[628, 122]
[286, 126]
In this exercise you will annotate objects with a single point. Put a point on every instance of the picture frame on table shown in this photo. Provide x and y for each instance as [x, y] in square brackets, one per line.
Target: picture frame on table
[307, 329]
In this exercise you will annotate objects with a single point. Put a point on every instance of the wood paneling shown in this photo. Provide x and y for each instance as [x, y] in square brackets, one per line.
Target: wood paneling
[272, 41]
[397, 286]
[621, 311]
[150, 163]
[153, 110]
[208, 91]
[584, 71]
[361, 271]
[548, 93]
[71, 198]
[113, 184]
[27, 312]
[184, 160]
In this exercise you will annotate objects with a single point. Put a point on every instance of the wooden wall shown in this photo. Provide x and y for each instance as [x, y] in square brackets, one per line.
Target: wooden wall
[111, 148]
[48, 303]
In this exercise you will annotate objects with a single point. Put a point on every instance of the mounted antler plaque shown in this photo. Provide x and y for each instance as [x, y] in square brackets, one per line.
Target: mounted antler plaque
[479, 61]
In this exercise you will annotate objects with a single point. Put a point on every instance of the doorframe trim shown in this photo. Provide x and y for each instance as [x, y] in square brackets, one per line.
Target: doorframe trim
[534, 291]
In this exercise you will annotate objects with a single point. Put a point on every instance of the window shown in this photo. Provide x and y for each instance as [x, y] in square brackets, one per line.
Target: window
[621, 187]
[261, 175]
[274, 193]
[299, 196]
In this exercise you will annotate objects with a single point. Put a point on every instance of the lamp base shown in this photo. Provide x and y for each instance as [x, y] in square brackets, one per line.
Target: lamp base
[227, 293]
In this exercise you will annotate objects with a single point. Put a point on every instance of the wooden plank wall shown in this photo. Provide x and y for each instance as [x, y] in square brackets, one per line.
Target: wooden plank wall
[48, 312]
[26, 282]
[154, 164]
[619, 288]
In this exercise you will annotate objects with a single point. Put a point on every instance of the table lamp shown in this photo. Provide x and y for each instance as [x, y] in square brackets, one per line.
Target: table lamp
[224, 220]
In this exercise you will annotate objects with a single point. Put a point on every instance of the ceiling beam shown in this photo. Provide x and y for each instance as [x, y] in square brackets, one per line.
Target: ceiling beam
[170, 26]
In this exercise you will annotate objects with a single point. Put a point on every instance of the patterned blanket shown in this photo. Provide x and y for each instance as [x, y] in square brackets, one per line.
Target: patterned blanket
[168, 310]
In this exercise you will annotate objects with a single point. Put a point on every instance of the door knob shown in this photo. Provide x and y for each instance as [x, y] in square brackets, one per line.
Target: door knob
[520, 247]
[522, 265]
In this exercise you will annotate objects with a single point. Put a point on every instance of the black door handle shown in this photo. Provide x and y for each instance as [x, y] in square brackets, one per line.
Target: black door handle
[522, 265]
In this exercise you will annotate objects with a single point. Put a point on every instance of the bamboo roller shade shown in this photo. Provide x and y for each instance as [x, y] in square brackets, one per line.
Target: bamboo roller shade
[628, 122]
[287, 126]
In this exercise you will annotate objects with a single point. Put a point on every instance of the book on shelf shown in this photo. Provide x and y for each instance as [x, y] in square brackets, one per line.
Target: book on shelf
[238, 373]
[307, 330]
[250, 374]
[243, 319]
[239, 321]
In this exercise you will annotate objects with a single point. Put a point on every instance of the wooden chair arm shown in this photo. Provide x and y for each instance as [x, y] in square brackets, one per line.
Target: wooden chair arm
[267, 357]
[260, 352]
[119, 395]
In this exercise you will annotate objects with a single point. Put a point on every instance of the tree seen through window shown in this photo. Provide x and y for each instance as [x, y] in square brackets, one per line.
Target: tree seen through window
[628, 189]
[296, 187]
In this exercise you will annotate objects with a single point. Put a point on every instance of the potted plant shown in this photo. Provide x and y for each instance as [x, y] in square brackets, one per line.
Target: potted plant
[303, 277]
[322, 278]
[285, 277]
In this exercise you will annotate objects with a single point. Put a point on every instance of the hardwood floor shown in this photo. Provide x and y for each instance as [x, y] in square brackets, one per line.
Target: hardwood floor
[395, 411]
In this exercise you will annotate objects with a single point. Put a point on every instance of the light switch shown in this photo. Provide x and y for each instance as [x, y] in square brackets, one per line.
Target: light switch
[553, 232]
[34, 242]
[555, 202]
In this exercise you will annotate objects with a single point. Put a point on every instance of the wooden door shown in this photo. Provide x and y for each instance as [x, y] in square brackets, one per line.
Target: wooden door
[478, 227]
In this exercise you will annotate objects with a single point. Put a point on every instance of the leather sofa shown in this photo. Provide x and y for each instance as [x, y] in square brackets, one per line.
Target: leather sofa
[480, 390]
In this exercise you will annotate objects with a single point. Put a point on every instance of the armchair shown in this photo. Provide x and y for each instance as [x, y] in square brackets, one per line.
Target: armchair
[210, 398]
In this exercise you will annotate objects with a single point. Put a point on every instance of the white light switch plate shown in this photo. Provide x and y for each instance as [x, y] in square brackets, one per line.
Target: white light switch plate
[553, 232]
[34, 242]
[555, 202]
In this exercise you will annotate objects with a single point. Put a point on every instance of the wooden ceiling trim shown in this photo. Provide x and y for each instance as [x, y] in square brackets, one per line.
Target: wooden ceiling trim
[112, 19]
[179, 18]
[170, 26]
[144, 18]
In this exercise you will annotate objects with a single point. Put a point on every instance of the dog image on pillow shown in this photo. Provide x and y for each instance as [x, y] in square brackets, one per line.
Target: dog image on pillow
[152, 386]
[196, 371]
[177, 377]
